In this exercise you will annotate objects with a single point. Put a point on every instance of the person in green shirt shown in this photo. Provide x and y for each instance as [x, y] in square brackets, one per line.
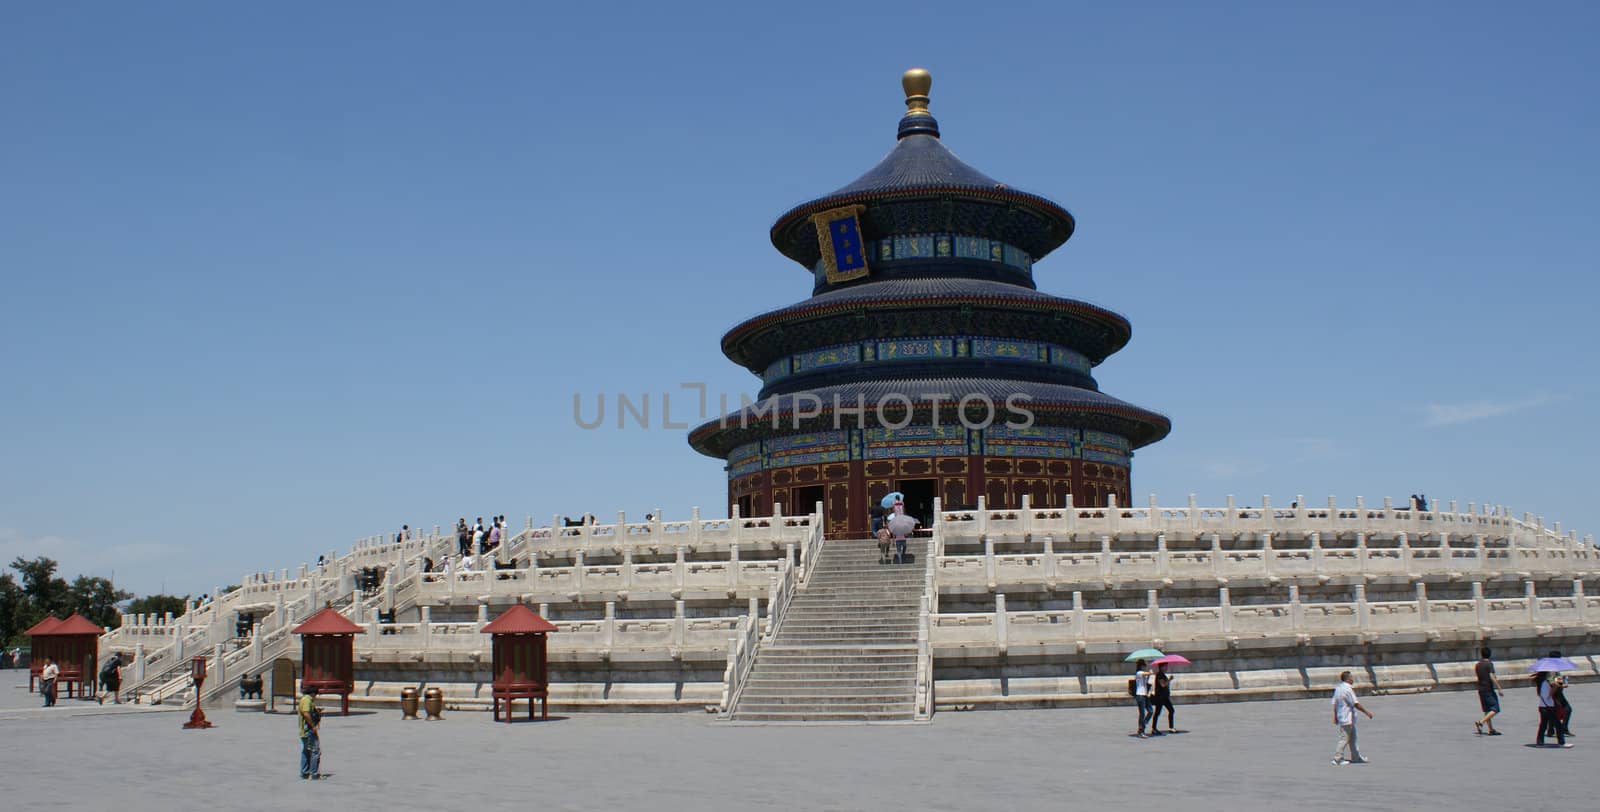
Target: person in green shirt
[310, 742]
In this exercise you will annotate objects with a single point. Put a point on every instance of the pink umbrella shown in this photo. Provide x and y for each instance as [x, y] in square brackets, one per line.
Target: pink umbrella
[1171, 659]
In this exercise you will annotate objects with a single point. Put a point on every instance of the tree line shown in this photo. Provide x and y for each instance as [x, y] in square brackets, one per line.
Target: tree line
[35, 590]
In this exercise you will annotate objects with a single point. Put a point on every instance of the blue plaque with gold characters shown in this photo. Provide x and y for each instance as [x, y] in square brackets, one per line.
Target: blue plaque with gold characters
[844, 253]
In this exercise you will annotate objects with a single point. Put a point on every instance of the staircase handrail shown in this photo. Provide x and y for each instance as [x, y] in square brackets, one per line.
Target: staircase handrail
[923, 709]
[741, 658]
[812, 547]
[779, 595]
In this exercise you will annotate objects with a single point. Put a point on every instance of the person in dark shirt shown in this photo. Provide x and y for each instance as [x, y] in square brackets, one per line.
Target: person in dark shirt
[1489, 693]
[1162, 698]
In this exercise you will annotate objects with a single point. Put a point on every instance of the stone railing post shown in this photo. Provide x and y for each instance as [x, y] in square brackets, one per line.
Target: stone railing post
[1297, 618]
[1105, 556]
[425, 627]
[1579, 599]
[1161, 555]
[1027, 517]
[1361, 550]
[1480, 609]
[1533, 600]
[983, 515]
[1478, 548]
[1113, 514]
[1070, 512]
[219, 671]
[1225, 609]
[1216, 555]
[627, 567]
[1079, 622]
[1363, 617]
[1422, 605]
[1405, 552]
[609, 627]
[577, 572]
[1316, 552]
[733, 566]
[679, 569]
[1050, 562]
[694, 527]
[1000, 641]
[1267, 553]
[138, 663]
[1153, 612]
[988, 562]
[680, 625]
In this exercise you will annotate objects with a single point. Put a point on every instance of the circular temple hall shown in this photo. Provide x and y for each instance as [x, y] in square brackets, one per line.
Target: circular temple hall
[926, 360]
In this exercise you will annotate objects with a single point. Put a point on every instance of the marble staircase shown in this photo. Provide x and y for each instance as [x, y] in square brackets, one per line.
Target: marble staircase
[847, 647]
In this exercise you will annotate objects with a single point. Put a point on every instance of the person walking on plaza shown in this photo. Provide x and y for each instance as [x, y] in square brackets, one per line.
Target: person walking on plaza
[1489, 693]
[1563, 707]
[1161, 697]
[463, 536]
[47, 681]
[1141, 697]
[1345, 706]
[110, 680]
[310, 737]
[1549, 712]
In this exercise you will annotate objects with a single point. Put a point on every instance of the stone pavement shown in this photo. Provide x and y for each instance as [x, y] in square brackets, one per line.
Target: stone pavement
[1247, 756]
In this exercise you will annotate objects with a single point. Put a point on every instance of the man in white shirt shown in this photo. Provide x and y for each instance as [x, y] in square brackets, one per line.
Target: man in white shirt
[1345, 706]
[47, 681]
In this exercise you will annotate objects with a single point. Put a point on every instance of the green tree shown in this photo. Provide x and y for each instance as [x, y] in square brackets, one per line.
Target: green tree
[157, 605]
[10, 604]
[96, 598]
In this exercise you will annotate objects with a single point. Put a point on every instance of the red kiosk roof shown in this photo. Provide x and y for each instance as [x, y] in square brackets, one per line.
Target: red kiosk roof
[327, 621]
[519, 619]
[77, 624]
[46, 626]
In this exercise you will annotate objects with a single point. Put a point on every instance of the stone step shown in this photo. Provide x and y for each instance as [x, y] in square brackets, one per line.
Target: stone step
[831, 699]
[801, 627]
[834, 640]
[894, 714]
[790, 680]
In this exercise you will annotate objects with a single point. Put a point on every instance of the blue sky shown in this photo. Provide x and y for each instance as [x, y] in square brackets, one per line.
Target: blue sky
[276, 277]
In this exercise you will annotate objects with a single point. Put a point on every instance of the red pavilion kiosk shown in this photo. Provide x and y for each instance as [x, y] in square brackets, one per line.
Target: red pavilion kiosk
[521, 667]
[40, 646]
[76, 643]
[327, 654]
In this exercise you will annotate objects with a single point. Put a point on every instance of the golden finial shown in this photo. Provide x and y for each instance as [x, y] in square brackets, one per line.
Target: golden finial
[916, 82]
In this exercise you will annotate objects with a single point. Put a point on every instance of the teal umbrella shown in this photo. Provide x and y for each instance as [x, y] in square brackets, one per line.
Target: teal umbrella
[1143, 654]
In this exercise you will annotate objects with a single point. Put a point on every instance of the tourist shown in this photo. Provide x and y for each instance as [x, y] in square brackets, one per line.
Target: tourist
[463, 536]
[322, 564]
[47, 681]
[110, 680]
[1563, 707]
[1161, 697]
[1549, 711]
[494, 534]
[400, 537]
[1141, 696]
[900, 526]
[477, 537]
[310, 737]
[1489, 693]
[883, 545]
[1345, 706]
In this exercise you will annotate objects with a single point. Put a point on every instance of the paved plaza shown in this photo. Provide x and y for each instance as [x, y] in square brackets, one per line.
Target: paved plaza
[1261, 755]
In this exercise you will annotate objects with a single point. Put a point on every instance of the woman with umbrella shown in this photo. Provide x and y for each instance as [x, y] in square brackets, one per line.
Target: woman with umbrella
[1140, 687]
[1161, 691]
[1548, 682]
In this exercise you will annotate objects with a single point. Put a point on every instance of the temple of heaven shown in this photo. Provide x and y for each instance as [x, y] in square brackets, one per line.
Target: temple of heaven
[926, 361]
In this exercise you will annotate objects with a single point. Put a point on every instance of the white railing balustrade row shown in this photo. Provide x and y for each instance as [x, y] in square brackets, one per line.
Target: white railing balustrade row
[1070, 521]
[1006, 630]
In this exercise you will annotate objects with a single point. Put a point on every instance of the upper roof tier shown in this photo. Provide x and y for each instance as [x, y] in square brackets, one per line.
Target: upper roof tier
[921, 187]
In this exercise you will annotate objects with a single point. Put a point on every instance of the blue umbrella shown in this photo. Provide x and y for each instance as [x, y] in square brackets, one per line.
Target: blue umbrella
[1554, 664]
[894, 496]
[1143, 654]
